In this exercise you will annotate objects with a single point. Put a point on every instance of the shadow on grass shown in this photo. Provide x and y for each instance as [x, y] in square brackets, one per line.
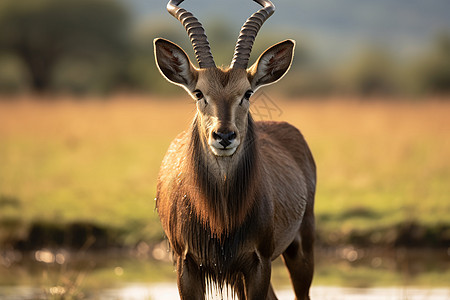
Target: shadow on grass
[24, 235]
[53, 235]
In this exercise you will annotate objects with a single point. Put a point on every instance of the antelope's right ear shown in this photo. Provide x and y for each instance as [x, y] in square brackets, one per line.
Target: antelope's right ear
[272, 65]
[174, 64]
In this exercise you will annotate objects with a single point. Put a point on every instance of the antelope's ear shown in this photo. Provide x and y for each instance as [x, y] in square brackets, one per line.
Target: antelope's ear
[174, 64]
[272, 64]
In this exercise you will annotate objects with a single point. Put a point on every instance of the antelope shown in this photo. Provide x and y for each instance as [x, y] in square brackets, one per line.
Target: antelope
[233, 194]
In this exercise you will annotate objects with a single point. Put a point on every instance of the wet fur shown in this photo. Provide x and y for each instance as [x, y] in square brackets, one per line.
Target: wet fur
[262, 209]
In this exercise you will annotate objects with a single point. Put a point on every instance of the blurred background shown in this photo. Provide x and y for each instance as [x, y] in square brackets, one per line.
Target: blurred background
[85, 120]
[396, 47]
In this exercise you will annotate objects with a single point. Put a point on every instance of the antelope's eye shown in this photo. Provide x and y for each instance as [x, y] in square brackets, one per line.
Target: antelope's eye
[248, 94]
[198, 94]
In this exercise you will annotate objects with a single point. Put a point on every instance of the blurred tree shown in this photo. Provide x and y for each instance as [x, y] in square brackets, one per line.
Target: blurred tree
[11, 74]
[371, 72]
[142, 73]
[43, 32]
[431, 73]
[223, 40]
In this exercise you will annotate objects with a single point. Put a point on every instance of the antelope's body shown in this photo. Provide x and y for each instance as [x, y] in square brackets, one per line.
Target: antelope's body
[234, 194]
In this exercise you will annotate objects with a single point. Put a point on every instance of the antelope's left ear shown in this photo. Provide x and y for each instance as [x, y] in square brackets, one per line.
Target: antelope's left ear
[174, 64]
[272, 64]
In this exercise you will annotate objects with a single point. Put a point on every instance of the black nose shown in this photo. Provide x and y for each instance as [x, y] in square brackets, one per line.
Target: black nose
[224, 139]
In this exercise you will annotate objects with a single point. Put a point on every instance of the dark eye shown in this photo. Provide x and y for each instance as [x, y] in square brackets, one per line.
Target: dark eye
[198, 94]
[248, 94]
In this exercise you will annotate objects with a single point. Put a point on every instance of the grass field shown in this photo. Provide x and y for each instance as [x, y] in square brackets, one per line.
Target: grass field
[383, 166]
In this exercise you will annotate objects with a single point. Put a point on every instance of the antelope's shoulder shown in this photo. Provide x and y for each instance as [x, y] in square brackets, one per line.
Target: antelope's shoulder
[284, 137]
[172, 161]
[283, 133]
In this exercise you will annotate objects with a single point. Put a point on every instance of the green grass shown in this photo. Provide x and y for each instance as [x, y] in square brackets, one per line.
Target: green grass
[381, 165]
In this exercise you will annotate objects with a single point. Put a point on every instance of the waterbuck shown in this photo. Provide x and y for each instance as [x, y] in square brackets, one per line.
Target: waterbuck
[234, 194]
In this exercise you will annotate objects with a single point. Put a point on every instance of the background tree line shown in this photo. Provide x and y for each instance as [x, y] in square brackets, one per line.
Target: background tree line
[93, 46]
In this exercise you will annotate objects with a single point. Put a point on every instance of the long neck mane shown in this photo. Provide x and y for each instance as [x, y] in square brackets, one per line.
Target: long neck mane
[222, 201]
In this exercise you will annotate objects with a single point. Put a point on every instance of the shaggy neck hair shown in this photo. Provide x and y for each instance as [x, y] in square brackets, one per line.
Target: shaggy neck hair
[222, 201]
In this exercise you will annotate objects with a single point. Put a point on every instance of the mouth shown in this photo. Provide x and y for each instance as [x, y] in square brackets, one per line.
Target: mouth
[223, 151]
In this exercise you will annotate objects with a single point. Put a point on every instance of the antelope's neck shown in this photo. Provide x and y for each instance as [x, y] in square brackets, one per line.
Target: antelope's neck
[224, 190]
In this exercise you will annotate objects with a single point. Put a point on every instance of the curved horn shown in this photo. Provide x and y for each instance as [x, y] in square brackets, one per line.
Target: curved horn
[196, 33]
[248, 34]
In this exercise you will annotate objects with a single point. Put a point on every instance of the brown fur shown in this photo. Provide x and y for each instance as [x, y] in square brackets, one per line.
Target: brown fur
[259, 206]
[229, 209]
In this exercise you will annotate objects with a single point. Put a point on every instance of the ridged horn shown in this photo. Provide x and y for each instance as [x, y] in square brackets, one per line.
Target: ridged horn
[248, 34]
[196, 34]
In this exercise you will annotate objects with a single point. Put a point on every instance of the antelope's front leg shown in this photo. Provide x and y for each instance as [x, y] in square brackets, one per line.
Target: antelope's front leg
[257, 279]
[191, 284]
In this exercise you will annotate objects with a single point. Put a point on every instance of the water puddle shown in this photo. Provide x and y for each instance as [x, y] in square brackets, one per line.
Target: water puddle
[342, 273]
[168, 291]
